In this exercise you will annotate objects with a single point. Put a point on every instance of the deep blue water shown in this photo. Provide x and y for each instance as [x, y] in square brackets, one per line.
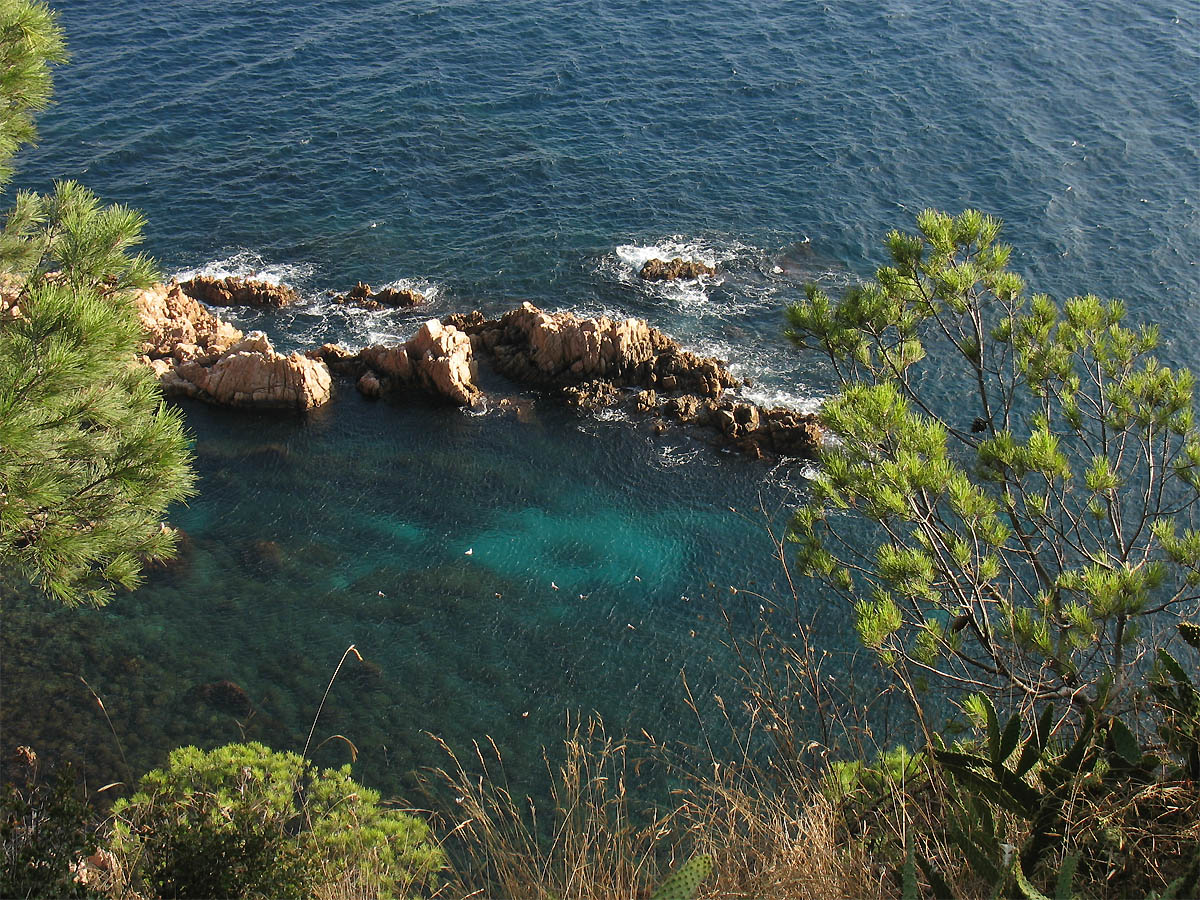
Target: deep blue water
[492, 152]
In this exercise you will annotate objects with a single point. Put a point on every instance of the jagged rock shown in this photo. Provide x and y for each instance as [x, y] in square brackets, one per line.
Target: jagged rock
[670, 270]
[179, 328]
[362, 295]
[589, 361]
[251, 374]
[393, 362]
[339, 360]
[437, 359]
[646, 401]
[442, 360]
[234, 291]
[592, 395]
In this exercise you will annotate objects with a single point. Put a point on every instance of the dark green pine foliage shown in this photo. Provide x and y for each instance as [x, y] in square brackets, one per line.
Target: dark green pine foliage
[1017, 517]
[90, 457]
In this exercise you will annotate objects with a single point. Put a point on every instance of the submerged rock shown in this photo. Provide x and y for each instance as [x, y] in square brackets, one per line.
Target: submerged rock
[670, 270]
[234, 291]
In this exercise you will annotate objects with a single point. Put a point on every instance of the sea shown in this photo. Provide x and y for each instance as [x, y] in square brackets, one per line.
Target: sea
[505, 572]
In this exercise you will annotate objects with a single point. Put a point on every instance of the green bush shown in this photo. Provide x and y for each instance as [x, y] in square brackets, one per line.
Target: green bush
[244, 820]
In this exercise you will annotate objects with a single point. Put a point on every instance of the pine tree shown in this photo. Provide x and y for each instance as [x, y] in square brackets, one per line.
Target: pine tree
[90, 457]
[1016, 520]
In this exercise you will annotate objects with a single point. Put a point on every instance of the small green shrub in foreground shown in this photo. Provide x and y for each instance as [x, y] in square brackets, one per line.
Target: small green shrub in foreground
[244, 820]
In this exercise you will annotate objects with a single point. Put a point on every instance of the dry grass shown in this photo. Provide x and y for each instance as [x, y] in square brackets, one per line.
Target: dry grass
[592, 844]
[596, 842]
[773, 846]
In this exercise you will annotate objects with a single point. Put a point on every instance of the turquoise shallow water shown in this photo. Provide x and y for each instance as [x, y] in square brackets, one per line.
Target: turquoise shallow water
[488, 153]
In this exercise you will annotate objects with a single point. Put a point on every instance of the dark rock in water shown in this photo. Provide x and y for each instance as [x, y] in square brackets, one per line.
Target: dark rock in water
[387, 298]
[232, 291]
[225, 696]
[670, 270]
[185, 548]
[263, 556]
[369, 385]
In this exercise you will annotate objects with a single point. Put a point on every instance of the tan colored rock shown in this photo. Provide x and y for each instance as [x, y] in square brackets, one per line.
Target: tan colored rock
[251, 374]
[368, 385]
[178, 326]
[385, 298]
[559, 343]
[438, 359]
[390, 361]
[442, 361]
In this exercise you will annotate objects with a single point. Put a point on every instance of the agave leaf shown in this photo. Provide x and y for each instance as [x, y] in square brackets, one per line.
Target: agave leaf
[993, 790]
[941, 890]
[908, 873]
[1168, 662]
[1043, 727]
[955, 761]
[1030, 754]
[993, 727]
[1190, 632]
[1124, 743]
[1073, 760]
[1008, 741]
[976, 856]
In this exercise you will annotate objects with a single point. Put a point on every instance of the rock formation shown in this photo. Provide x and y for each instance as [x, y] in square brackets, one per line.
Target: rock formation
[195, 354]
[386, 298]
[233, 291]
[179, 328]
[593, 363]
[251, 374]
[670, 270]
[437, 360]
[590, 362]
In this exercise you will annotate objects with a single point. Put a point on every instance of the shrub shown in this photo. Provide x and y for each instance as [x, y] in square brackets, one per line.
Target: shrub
[277, 826]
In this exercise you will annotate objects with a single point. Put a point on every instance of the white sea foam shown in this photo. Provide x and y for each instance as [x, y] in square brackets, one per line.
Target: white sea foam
[612, 414]
[427, 289]
[671, 456]
[635, 256]
[769, 397]
[248, 264]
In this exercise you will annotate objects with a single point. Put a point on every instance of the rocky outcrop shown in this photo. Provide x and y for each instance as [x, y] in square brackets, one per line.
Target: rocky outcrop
[671, 270]
[602, 363]
[558, 350]
[437, 360]
[179, 328]
[233, 291]
[195, 354]
[362, 296]
[591, 363]
[250, 374]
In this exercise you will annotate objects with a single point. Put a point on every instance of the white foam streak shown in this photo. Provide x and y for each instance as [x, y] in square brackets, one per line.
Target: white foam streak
[248, 264]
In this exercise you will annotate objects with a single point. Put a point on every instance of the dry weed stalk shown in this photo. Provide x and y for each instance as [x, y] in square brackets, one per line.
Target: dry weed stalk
[596, 843]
